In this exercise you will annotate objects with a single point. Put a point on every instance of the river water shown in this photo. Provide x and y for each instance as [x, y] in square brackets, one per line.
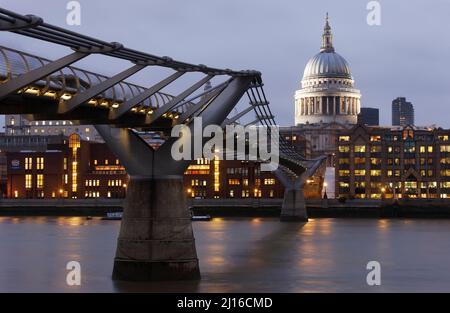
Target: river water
[236, 255]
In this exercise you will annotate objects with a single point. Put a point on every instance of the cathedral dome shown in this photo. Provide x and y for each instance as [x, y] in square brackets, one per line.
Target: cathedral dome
[327, 94]
[327, 65]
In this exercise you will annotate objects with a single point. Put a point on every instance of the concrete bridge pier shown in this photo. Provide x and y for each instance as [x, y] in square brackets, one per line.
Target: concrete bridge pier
[156, 241]
[293, 208]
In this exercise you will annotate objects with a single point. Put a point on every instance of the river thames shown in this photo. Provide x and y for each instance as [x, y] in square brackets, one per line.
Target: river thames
[236, 255]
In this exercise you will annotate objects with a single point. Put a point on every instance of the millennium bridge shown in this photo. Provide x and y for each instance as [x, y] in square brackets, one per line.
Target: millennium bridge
[156, 240]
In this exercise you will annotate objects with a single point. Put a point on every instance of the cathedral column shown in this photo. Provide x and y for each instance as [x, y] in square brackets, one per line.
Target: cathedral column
[334, 106]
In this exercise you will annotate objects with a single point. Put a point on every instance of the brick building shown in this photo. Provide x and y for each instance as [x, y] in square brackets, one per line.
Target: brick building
[393, 162]
[68, 167]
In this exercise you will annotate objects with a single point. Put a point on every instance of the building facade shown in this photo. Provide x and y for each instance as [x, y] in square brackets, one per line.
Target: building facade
[394, 162]
[18, 125]
[369, 117]
[67, 167]
[402, 112]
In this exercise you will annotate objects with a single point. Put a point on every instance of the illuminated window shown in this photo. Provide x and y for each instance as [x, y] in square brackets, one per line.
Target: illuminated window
[344, 149]
[106, 162]
[16, 194]
[40, 181]
[117, 162]
[344, 138]
[231, 193]
[445, 148]
[344, 161]
[269, 181]
[216, 174]
[95, 162]
[40, 163]
[65, 164]
[375, 138]
[234, 181]
[245, 182]
[360, 172]
[430, 149]
[375, 149]
[271, 194]
[28, 163]
[360, 160]
[422, 149]
[360, 148]
[390, 149]
[375, 161]
[344, 172]
[28, 181]
[375, 173]
[443, 137]
[389, 173]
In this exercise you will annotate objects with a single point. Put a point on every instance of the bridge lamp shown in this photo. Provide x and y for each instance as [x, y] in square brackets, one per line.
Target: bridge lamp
[66, 96]
[115, 105]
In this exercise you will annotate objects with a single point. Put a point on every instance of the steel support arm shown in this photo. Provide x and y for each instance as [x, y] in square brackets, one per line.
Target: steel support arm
[172, 103]
[128, 105]
[236, 117]
[79, 99]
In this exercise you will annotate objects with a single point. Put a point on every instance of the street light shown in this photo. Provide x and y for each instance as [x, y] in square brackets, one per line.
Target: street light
[325, 196]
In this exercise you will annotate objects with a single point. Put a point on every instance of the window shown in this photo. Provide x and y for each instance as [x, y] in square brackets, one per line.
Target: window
[360, 160]
[445, 148]
[269, 181]
[390, 149]
[40, 181]
[422, 149]
[344, 161]
[375, 138]
[375, 149]
[231, 193]
[344, 173]
[40, 163]
[344, 138]
[375, 161]
[360, 172]
[443, 137]
[344, 149]
[389, 173]
[28, 181]
[430, 149]
[375, 173]
[360, 148]
[234, 181]
[245, 182]
[28, 163]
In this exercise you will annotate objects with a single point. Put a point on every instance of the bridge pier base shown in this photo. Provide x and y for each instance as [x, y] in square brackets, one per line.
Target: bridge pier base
[156, 240]
[293, 208]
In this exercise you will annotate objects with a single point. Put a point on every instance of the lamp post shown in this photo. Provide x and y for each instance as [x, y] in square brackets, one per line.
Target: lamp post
[325, 196]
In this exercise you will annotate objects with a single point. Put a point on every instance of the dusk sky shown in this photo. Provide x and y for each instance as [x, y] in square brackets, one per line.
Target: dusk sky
[407, 55]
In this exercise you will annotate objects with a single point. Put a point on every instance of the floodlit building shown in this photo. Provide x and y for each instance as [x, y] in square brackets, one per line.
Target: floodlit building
[393, 162]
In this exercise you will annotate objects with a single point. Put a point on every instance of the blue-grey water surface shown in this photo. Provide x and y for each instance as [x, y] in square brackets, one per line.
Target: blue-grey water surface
[236, 255]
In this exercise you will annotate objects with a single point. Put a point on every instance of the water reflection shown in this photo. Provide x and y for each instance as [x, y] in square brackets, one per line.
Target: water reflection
[236, 255]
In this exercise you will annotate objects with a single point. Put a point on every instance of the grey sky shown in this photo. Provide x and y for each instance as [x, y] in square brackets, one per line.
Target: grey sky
[406, 56]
